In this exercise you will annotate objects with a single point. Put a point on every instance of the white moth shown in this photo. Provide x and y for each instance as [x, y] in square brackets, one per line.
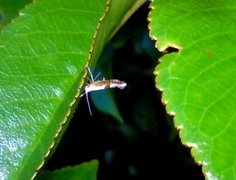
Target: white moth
[101, 85]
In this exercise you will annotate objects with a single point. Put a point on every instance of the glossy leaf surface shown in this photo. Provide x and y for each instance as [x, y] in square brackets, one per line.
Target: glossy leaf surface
[43, 54]
[198, 82]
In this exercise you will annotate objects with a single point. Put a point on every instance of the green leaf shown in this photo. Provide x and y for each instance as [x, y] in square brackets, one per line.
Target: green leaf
[85, 171]
[43, 54]
[119, 12]
[198, 81]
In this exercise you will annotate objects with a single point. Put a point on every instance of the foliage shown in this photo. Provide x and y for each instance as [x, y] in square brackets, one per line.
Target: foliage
[198, 81]
[45, 48]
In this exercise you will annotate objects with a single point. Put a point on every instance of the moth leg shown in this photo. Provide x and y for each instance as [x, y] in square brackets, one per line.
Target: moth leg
[90, 111]
[82, 94]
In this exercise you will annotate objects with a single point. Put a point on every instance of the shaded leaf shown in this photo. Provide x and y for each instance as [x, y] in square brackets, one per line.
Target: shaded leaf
[85, 171]
[10, 9]
[104, 102]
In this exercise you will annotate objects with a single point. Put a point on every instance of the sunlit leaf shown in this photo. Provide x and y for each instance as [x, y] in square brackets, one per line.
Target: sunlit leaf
[198, 81]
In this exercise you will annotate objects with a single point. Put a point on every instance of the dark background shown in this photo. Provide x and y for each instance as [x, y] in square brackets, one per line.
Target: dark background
[146, 145]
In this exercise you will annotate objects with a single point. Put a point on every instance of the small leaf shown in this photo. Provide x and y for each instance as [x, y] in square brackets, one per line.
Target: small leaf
[85, 171]
[198, 82]
[104, 102]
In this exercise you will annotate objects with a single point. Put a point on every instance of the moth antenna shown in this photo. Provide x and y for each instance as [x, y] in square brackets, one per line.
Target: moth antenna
[91, 75]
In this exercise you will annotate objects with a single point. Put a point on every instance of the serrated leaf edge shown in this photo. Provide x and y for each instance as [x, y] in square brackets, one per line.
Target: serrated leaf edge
[191, 145]
[77, 95]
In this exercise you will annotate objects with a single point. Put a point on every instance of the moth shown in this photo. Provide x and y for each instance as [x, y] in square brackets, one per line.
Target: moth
[101, 85]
